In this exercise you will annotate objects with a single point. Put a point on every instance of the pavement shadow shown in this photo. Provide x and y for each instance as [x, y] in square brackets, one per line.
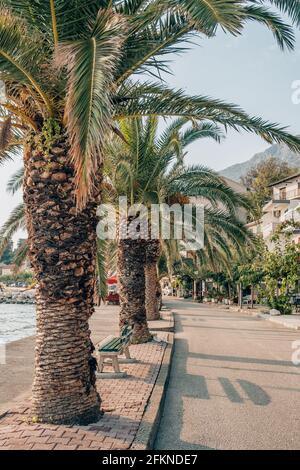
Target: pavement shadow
[244, 360]
[196, 385]
[172, 420]
[183, 384]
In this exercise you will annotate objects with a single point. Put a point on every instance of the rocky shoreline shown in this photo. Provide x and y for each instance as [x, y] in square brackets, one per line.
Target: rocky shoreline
[18, 297]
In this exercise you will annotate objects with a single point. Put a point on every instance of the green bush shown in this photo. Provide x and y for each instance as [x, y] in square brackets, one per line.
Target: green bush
[25, 277]
[281, 303]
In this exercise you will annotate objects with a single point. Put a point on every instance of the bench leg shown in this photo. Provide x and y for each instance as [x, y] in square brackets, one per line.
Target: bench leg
[127, 353]
[128, 359]
[115, 364]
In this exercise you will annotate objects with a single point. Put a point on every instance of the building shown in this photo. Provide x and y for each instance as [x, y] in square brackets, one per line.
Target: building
[240, 189]
[284, 206]
[7, 269]
[11, 269]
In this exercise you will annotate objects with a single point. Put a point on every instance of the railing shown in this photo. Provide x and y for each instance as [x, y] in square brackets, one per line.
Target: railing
[293, 193]
[293, 214]
[287, 195]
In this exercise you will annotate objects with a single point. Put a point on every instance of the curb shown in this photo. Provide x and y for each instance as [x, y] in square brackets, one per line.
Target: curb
[261, 314]
[146, 434]
[276, 319]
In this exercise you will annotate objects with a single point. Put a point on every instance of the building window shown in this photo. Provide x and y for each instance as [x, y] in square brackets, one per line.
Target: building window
[282, 193]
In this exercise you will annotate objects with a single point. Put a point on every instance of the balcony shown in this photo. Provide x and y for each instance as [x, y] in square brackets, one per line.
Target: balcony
[287, 195]
[292, 214]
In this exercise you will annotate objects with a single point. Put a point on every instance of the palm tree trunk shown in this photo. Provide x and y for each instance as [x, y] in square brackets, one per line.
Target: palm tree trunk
[152, 300]
[195, 290]
[252, 296]
[131, 275]
[62, 248]
[240, 295]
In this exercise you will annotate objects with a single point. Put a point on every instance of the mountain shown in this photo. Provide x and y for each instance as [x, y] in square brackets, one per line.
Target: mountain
[280, 151]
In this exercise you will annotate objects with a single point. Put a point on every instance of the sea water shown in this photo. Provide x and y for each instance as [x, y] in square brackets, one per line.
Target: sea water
[17, 321]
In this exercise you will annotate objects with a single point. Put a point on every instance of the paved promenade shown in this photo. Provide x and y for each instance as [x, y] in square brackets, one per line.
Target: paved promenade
[124, 400]
[232, 383]
[17, 372]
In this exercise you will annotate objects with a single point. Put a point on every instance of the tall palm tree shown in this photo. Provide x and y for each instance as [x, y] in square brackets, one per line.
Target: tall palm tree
[152, 285]
[148, 169]
[225, 240]
[67, 67]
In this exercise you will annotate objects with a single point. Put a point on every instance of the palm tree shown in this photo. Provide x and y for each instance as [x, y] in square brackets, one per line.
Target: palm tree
[148, 168]
[152, 285]
[67, 68]
[226, 240]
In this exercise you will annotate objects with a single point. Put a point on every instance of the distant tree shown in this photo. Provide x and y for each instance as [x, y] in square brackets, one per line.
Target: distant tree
[281, 269]
[259, 177]
[7, 255]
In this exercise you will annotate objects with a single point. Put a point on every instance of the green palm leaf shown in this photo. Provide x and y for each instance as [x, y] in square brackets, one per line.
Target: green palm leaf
[20, 55]
[15, 221]
[289, 7]
[15, 182]
[21, 254]
[144, 99]
[201, 182]
[91, 63]
[282, 32]
[9, 153]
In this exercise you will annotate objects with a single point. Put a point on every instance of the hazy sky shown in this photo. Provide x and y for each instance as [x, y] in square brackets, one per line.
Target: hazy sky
[250, 71]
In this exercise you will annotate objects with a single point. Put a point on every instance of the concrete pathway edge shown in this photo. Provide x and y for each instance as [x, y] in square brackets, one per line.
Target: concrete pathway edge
[146, 434]
[288, 321]
[282, 320]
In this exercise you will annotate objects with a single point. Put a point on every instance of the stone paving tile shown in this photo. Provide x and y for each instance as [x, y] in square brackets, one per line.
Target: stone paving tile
[123, 402]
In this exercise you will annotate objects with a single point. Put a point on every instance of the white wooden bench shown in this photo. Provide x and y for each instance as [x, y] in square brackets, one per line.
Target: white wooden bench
[109, 350]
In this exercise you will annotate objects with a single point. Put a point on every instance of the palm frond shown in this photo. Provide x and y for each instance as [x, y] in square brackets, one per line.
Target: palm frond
[10, 153]
[5, 133]
[202, 130]
[15, 221]
[153, 39]
[56, 20]
[20, 54]
[231, 16]
[91, 64]
[15, 182]
[288, 7]
[158, 100]
[219, 220]
[129, 7]
[201, 182]
[214, 13]
[282, 32]
[21, 254]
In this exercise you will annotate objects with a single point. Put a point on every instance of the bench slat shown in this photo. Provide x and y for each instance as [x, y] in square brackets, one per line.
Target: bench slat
[112, 345]
[105, 341]
[116, 343]
[111, 350]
